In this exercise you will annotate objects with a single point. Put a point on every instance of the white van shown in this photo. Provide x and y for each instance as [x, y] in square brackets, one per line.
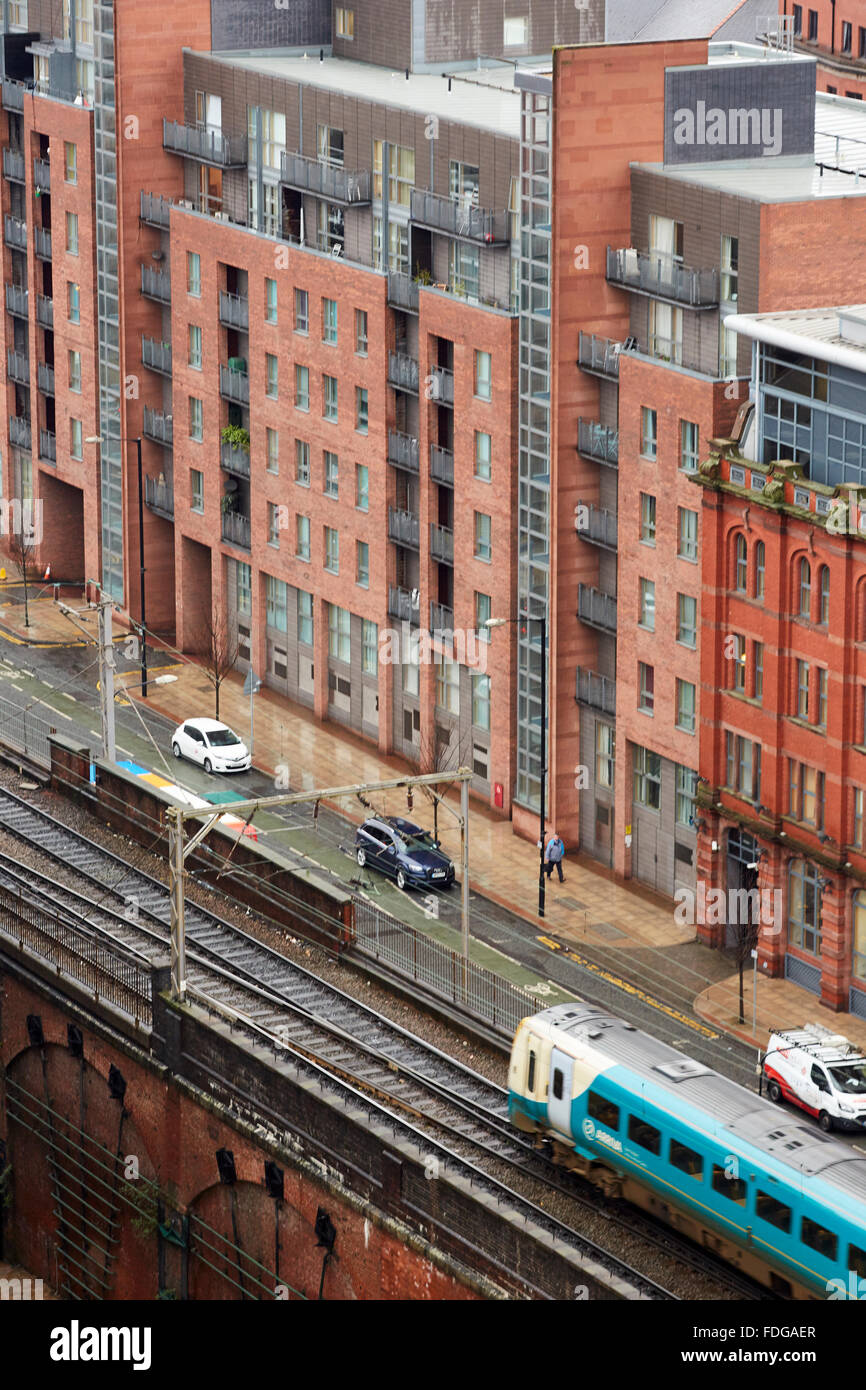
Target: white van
[821, 1072]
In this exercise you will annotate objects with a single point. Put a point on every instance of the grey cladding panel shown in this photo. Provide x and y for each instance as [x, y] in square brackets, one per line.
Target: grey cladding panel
[262, 24]
[721, 113]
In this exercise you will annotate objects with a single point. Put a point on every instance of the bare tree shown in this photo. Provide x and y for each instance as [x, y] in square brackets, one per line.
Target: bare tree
[218, 643]
[22, 548]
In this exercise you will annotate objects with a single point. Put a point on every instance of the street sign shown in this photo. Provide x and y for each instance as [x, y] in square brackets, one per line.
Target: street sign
[252, 684]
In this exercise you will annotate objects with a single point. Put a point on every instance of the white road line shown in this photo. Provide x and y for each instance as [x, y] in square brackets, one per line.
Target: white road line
[66, 696]
[48, 685]
[95, 732]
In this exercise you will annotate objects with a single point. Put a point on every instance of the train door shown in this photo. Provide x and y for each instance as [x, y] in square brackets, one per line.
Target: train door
[559, 1091]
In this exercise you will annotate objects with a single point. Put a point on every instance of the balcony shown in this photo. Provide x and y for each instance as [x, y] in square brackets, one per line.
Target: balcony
[403, 372]
[459, 219]
[18, 367]
[403, 604]
[158, 426]
[45, 311]
[159, 497]
[598, 526]
[48, 446]
[441, 618]
[599, 692]
[403, 451]
[42, 175]
[596, 608]
[42, 243]
[441, 465]
[662, 277]
[236, 529]
[155, 284]
[442, 544]
[19, 431]
[18, 301]
[599, 442]
[235, 460]
[234, 386]
[16, 233]
[600, 356]
[13, 165]
[154, 210]
[45, 378]
[329, 181]
[156, 355]
[402, 292]
[442, 385]
[207, 146]
[404, 528]
[13, 95]
[234, 311]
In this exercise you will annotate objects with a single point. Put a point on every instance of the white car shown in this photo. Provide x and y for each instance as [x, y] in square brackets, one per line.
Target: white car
[213, 745]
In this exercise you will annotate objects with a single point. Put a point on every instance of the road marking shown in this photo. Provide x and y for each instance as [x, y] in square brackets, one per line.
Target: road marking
[67, 696]
[95, 732]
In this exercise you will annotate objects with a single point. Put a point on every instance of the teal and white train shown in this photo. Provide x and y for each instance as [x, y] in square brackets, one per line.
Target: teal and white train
[782, 1202]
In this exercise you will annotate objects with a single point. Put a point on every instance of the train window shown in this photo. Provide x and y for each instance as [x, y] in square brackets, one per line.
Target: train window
[819, 1238]
[686, 1160]
[857, 1261]
[557, 1083]
[647, 1136]
[603, 1110]
[771, 1210]
[530, 1078]
[732, 1188]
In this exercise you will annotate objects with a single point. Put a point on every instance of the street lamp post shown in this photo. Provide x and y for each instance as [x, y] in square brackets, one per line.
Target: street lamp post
[136, 439]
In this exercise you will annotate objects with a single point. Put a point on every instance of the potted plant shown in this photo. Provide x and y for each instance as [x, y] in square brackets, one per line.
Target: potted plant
[236, 436]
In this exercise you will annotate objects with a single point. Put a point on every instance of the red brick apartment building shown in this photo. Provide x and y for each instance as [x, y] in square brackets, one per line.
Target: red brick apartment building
[835, 32]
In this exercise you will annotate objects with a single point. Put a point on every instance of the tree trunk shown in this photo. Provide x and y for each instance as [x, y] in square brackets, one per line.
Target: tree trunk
[741, 962]
[26, 602]
[217, 699]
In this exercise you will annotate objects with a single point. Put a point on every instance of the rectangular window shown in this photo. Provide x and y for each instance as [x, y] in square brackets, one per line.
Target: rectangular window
[645, 1135]
[732, 1188]
[647, 604]
[273, 132]
[362, 487]
[302, 462]
[273, 524]
[196, 418]
[813, 25]
[331, 146]
[605, 754]
[74, 359]
[801, 707]
[758, 670]
[345, 24]
[448, 686]
[730, 270]
[276, 601]
[369, 648]
[73, 301]
[75, 439]
[72, 233]
[646, 687]
[401, 173]
[689, 446]
[687, 534]
[244, 587]
[332, 550]
[481, 702]
[514, 31]
[332, 474]
[339, 633]
[272, 450]
[687, 620]
[798, 19]
[329, 397]
[302, 537]
[196, 490]
[363, 557]
[305, 618]
[362, 416]
[482, 455]
[686, 706]
[302, 311]
[603, 1110]
[738, 663]
[193, 273]
[464, 270]
[483, 375]
[686, 793]
[665, 332]
[410, 677]
[361, 332]
[483, 539]
[329, 320]
[686, 1160]
[647, 769]
[859, 808]
[727, 350]
[768, 1208]
[271, 376]
[822, 698]
[846, 36]
[648, 432]
[806, 794]
[70, 162]
[398, 246]
[302, 387]
[194, 343]
[819, 1238]
[270, 300]
[647, 518]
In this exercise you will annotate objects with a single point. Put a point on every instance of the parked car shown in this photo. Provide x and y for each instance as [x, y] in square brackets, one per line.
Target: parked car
[821, 1072]
[214, 746]
[403, 850]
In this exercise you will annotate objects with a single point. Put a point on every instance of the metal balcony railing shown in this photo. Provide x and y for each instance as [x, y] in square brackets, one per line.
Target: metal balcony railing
[17, 367]
[597, 525]
[13, 95]
[403, 604]
[403, 451]
[235, 460]
[234, 311]
[404, 528]
[598, 355]
[402, 292]
[234, 386]
[441, 618]
[19, 431]
[158, 426]
[16, 233]
[207, 146]
[159, 497]
[442, 385]
[42, 175]
[442, 544]
[596, 608]
[599, 692]
[156, 355]
[48, 445]
[236, 529]
[42, 243]
[663, 277]
[599, 442]
[155, 284]
[45, 378]
[13, 165]
[44, 311]
[326, 180]
[154, 210]
[18, 301]
[403, 371]
[459, 218]
[441, 465]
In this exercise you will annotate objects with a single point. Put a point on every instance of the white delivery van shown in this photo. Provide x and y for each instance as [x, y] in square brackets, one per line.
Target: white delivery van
[821, 1072]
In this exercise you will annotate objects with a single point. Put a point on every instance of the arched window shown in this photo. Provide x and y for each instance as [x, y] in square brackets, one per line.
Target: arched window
[824, 595]
[760, 568]
[741, 564]
[858, 934]
[804, 906]
[804, 588]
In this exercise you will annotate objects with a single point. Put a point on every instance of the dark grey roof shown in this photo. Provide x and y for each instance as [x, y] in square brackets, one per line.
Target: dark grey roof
[636, 21]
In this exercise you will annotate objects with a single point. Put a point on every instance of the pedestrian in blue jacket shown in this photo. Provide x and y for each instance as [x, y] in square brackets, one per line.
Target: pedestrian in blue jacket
[554, 855]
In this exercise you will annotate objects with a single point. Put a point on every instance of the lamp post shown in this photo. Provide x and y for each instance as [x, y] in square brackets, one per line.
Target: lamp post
[542, 621]
[136, 439]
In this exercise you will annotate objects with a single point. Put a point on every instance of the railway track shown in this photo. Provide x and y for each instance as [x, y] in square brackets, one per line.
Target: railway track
[443, 1102]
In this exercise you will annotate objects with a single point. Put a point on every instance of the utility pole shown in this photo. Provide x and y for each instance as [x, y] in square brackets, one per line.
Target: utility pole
[105, 608]
[464, 867]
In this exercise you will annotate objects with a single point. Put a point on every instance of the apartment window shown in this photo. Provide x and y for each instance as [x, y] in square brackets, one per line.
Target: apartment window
[647, 604]
[302, 462]
[514, 31]
[244, 589]
[824, 593]
[801, 706]
[302, 387]
[464, 182]
[448, 686]
[647, 518]
[464, 269]
[760, 569]
[483, 611]
[738, 659]
[74, 359]
[686, 706]
[806, 794]
[73, 301]
[401, 172]
[329, 397]
[741, 564]
[483, 375]
[361, 332]
[196, 418]
[302, 537]
[666, 240]
[758, 670]
[687, 534]
[647, 778]
[72, 233]
[272, 450]
[329, 320]
[687, 620]
[276, 603]
[339, 633]
[273, 524]
[331, 145]
[861, 45]
[18, 15]
[605, 754]
[483, 542]
[196, 490]
[804, 588]
[822, 697]
[398, 246]
[410, 676]
[363, 564]
[273, 132]
[70, 162]
[75, 439]
[362, 487]
[665, 331]
[345, 24]
[798, 19]
[305, 618]
[481, 702]
[686, 795]
[270, 300]
[859, 809]
[482, 455]
[846, 36]
[271, 376]
[83, 19]
[362, 410]
[369, 648]
[332, 550]
[730, 269]
[689, 446]
[302, 311]
[743, 766]
[646, 680]
[727, 351]
[193, 273]
[194, 344]
[332, 474]
[648, 432]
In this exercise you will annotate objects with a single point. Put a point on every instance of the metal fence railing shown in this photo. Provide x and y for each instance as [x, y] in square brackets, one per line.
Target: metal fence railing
[408, 952]
[25, 732]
